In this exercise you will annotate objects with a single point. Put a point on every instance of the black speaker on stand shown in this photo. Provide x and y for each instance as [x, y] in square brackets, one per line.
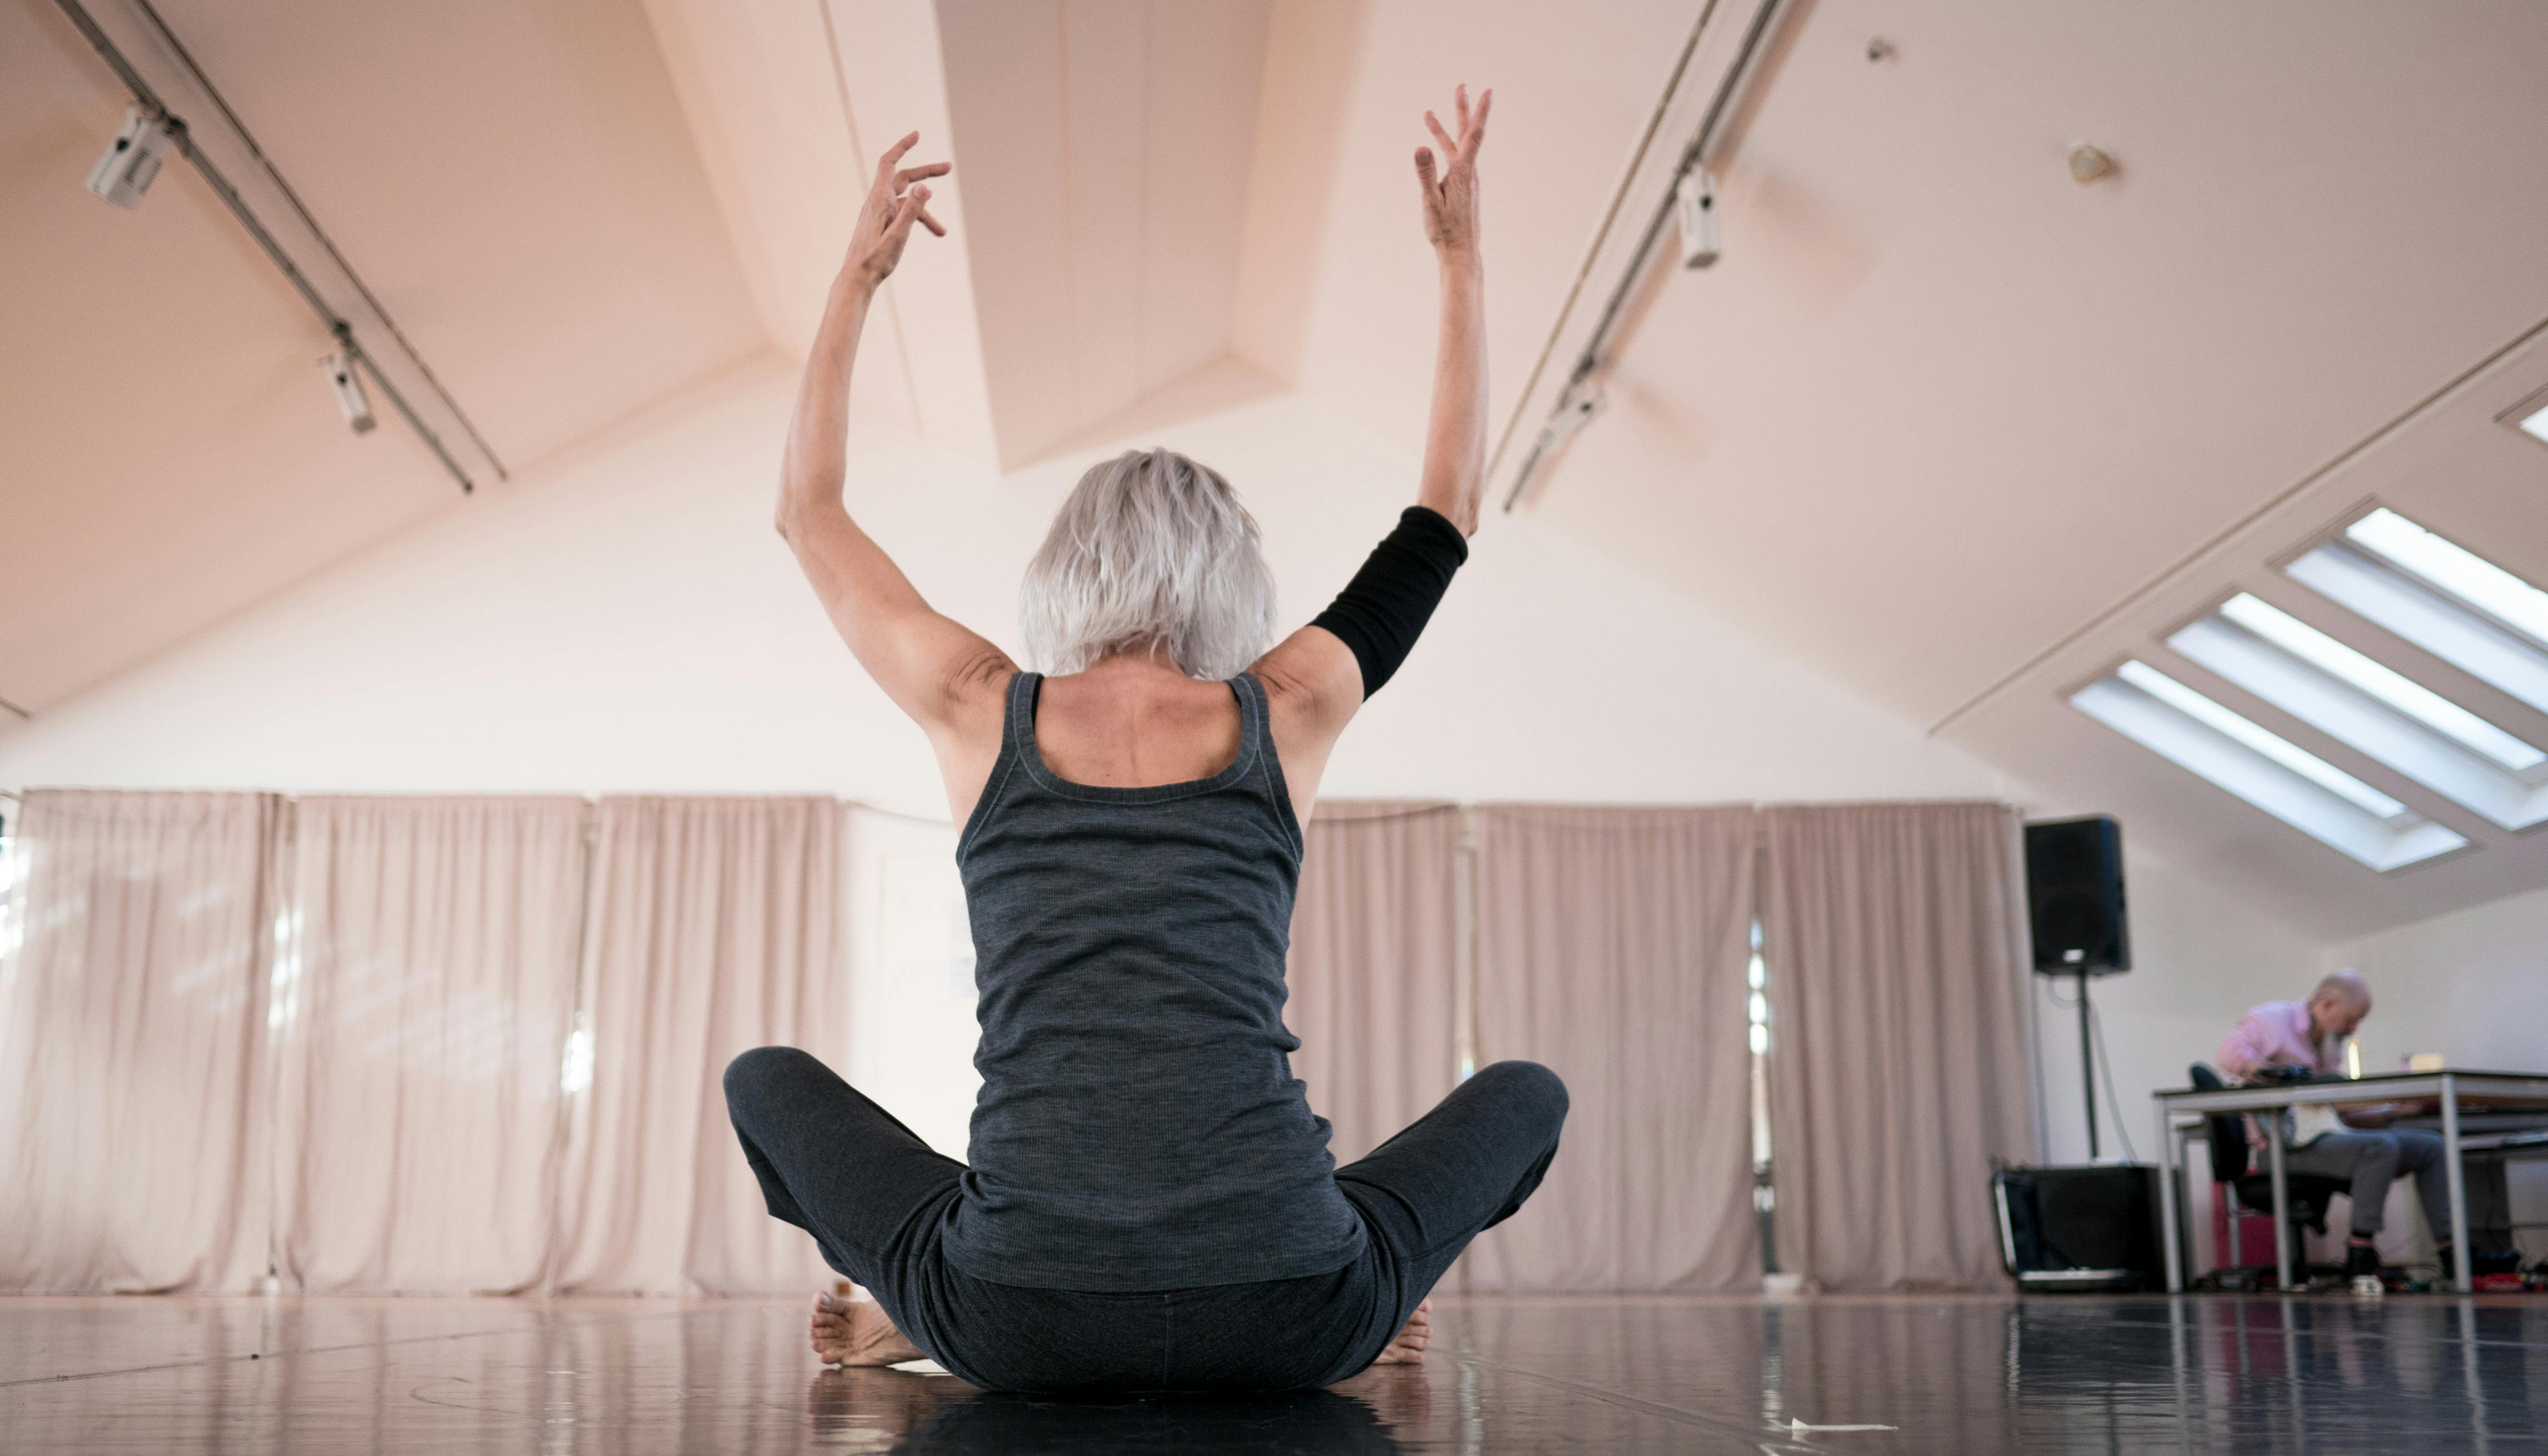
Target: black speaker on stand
[2074, 902]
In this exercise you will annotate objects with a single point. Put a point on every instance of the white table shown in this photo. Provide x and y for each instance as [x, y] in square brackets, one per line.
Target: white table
[2452, 1087]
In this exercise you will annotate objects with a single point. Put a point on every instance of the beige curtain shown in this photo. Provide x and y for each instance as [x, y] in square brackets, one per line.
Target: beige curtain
[131, 1035]
[420, 1024]
[1894, 938]
[715, 927]
[1611, 945]
[1375, 957]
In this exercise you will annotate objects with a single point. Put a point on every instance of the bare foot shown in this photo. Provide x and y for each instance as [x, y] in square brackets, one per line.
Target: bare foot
[1408, 1347]
[850, 1331]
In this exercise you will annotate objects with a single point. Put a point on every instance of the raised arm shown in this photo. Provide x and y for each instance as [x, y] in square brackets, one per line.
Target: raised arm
[933, 668]
[1322, 674]
[1455, 437]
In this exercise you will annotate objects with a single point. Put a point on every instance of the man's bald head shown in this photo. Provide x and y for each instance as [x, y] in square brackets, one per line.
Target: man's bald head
[2340, 1003]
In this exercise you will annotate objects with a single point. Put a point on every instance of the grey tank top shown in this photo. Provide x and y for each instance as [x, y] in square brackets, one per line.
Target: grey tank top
[1138, 1126]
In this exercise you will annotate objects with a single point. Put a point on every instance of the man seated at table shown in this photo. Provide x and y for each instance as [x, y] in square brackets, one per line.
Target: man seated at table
[2361, 1146]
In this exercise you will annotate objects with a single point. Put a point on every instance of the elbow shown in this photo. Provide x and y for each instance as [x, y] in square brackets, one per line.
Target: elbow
[1459, 509]
[789, 518]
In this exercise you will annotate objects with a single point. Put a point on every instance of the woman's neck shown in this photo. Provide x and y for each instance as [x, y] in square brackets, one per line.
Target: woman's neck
[1128, 669]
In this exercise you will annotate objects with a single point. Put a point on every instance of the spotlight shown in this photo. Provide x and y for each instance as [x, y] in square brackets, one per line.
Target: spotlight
[1694, 203]
[1582, 401]
[131, 161]
[349, 389]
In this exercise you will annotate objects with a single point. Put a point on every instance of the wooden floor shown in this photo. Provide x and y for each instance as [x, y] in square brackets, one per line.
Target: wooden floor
[1613, 1375]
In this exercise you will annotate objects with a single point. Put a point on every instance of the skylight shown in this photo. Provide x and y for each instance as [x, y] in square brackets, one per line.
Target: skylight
[2406, 741]
[2263, 768]
[2460, 572]
[2272, 745]
[2397, 691]
[2535, 424]
[2424, 607]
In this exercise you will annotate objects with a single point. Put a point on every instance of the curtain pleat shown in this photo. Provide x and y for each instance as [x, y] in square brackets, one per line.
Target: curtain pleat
[1611, 945]
[440, 1045]
[420, 1034]
[131, 1041]
[1894, 937]
[1375, 956]
[715, 928]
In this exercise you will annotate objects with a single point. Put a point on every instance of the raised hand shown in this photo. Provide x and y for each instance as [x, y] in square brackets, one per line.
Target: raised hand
[1451, 195]
[895, 200]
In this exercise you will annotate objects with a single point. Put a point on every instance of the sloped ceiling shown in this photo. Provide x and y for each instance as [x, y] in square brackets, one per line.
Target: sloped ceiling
[514, 181]
[1943, 423]
[1941, 403]
[1963, 431]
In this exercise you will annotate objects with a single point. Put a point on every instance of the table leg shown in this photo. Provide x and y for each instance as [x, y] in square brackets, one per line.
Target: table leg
[2189, 1228]
[2282, 1203]
[2168, 1204]
[2457, 1178]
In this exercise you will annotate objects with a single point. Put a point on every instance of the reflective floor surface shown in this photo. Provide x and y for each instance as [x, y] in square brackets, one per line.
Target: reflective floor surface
[1615, 1375]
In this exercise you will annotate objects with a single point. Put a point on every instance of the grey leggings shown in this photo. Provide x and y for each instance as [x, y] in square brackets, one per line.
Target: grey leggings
[2373, 1160]
[874, 1197]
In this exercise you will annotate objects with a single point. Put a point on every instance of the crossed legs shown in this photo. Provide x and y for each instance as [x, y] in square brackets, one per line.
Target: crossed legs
[845, 1171]
[1454, 1173]
[869, 1191]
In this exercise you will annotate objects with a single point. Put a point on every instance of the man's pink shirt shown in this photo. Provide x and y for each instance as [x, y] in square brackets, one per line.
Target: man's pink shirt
[2276, 1034]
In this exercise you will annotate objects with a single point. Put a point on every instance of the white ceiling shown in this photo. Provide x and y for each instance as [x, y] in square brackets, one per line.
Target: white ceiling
[1106, 148]
[1961, 430]
[1945, 424]
[1941, 403]
[513, 182]
[1943, 410]
[2451, 466]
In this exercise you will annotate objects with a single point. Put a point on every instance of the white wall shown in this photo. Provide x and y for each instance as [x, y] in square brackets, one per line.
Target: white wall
[2472, 985]
[911, 977]
[2199, 959]
[629, 621]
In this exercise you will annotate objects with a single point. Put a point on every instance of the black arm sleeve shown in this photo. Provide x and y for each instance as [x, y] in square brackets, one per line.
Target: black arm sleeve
[1386, 605]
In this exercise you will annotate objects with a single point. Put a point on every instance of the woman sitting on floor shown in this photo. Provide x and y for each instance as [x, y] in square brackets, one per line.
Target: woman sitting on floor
[1150, 1204]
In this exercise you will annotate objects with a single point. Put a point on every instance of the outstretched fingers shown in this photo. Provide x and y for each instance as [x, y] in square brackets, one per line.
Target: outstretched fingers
[917, 200]
[913, 208]
[1471, 121]
[894, 154]
[1450, 148]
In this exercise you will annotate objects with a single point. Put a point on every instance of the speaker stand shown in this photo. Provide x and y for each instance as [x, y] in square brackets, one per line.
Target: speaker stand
[2087, 1065]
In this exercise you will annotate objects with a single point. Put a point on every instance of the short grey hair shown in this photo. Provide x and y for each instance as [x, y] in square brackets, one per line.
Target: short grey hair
[1152, 552]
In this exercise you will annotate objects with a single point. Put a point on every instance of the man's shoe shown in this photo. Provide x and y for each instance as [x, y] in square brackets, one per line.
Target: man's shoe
[2362, 1269]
